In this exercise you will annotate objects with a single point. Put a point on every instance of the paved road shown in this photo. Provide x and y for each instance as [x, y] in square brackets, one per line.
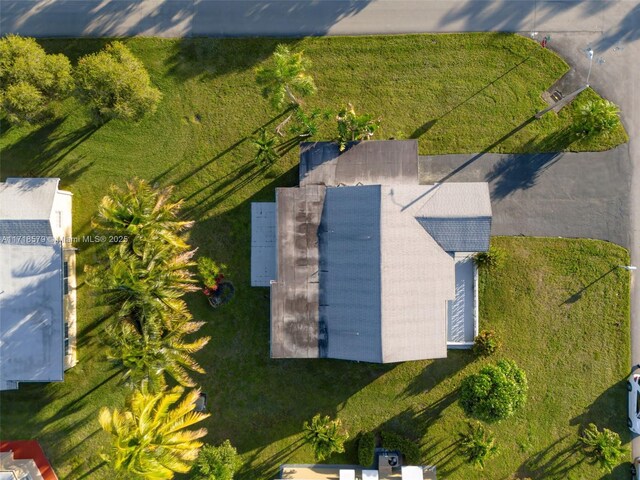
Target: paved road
[610, 27]
[176, 18]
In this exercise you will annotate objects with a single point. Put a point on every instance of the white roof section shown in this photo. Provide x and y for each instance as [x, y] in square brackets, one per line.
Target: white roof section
[27, 198]
[31, 314]
[444, 200]
[418, 278]
[264, 244]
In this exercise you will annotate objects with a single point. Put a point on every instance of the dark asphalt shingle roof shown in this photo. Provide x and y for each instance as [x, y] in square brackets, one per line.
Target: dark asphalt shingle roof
[459, 234]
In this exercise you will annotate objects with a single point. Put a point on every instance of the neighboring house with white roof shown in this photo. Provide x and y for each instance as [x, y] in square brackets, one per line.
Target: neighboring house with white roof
[37, 282]
[364, 263]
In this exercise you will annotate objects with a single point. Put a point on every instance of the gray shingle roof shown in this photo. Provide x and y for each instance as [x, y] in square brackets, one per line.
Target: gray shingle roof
[19, 231]
[459, 234]
[27, 198]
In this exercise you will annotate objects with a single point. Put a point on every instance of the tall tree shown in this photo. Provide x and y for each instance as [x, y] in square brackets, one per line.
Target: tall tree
[325, 436]
[143, 288]
[142, 213]
[149, 437]
[285, 78]
[115, 84]
[149, 356]
[30, 78]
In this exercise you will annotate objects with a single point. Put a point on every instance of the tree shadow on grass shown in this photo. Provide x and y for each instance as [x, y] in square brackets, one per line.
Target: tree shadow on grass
[208, 58]
[168, 177]
[48, 149]
[553, 462]
[605, 411]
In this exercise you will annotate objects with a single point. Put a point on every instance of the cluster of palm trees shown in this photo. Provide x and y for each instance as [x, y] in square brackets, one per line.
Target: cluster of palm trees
[284, 81]
[141, 277]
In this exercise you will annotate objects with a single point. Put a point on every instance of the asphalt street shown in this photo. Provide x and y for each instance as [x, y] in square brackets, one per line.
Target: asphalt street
[611, 28]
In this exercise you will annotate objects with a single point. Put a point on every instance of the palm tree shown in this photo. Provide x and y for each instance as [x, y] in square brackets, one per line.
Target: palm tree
[149, 437]
[353, 127]
[477, 444]
[265, 148]
[597, 116]
[285, 78]
[602, 447]
[148, 357]
[325, 436]
[144, 286]
[141, 213]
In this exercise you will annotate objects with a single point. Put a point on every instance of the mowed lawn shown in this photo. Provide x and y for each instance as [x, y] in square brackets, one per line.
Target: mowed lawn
[455, 93]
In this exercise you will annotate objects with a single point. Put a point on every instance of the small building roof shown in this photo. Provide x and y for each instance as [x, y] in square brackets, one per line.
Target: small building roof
[27, 198]
[29, 450]
[31, 330]
[263, 243]
[385, 162]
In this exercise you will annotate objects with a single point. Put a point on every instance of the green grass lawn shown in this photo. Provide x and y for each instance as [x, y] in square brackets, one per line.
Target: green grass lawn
[455, 93]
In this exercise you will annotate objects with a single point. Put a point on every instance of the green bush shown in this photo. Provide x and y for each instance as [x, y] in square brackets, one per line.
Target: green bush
[353, 127]
[265, 145]
[366, 449]
[495, 392]
[486, 343]
[393, 441]
[325, 436]
[209, 271]
[602, 447]
[597, 116]
[477, 444]
[490, 260]
[115, 84]
[216, 463]
[22, 103]
[30, 78]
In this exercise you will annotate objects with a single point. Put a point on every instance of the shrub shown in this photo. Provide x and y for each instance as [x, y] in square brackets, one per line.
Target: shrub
[265, 145]
[366, 449]
[393, 441]
[353, 127]
[477, 444]
[115, 84]
[486, 343]
[602, 447]
[210, 272]
[495, 392]
[30, 78]
[490, 260]
[597, 116]
[216, 463]
[325, 436]
[23, 103]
